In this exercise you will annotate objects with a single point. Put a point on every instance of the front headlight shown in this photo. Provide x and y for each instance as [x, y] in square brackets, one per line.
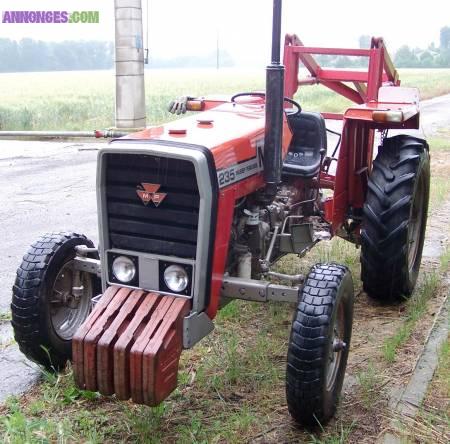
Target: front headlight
[124, 269]
[176, 278]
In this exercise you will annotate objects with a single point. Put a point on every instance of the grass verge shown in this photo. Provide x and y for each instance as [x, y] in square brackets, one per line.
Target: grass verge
[414, 310]
[432, 424]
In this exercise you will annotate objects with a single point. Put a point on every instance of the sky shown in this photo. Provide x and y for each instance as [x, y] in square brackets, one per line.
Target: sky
[185, 27]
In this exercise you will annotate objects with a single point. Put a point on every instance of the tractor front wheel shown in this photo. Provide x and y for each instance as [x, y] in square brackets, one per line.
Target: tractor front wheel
[395, 217]
[319, 344]
[50, 299]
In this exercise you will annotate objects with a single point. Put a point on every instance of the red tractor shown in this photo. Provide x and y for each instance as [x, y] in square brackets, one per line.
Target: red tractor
[195, 213]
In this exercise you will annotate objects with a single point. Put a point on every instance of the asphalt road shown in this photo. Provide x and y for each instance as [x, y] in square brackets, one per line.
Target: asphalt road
[50, 186]
[44, 187]
[435, 115]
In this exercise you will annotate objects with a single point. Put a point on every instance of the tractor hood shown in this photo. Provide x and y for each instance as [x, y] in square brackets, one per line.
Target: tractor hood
[233, 132]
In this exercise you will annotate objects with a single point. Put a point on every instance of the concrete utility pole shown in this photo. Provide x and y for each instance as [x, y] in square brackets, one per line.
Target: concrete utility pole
[130, 87]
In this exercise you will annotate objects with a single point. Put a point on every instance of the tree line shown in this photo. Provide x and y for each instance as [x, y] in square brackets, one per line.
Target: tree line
[36, 55]
[404, 57]
[431, 57]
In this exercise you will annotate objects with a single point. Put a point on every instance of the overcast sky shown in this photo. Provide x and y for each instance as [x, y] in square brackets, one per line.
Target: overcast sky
[178, 27]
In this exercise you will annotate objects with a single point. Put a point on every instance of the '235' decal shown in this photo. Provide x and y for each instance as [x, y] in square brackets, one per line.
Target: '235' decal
[240, 171]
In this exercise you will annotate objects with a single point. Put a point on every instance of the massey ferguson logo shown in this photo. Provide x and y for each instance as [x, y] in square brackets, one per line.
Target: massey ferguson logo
[148, 192]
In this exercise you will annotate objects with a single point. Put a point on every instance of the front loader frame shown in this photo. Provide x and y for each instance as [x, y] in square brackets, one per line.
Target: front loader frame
[366, 83]
[381, 104]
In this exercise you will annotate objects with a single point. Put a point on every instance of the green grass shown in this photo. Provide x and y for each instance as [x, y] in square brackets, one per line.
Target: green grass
[341, 436]
[440, 180]
[439, 191]
[445, 260]
[370, 381]
[228, 389]
[439, 144]
[5, 316]
[336, 250]
[431, 82]
[443, 371]
[414, 310]
[85, 100]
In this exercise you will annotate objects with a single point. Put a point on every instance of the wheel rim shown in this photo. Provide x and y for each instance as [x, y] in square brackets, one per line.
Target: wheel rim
[67, 313]
[415, 224]
[336, 349]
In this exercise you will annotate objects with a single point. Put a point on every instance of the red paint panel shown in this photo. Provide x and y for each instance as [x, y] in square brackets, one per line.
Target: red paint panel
[343, 76]
[328, 209]
[227, 199]
[340, 198]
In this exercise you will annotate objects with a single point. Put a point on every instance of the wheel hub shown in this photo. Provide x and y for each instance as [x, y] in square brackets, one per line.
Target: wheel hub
[336, 349]
[338, 345]
[70, 301]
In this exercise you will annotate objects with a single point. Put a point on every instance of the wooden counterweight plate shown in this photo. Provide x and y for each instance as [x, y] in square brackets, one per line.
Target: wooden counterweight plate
[130, 345]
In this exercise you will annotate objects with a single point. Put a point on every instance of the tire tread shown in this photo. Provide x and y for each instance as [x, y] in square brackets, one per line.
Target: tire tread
[26, 304]
[384, 233]
[309, 334]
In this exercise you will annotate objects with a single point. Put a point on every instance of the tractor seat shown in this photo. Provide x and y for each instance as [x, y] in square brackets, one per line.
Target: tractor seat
[308, 138]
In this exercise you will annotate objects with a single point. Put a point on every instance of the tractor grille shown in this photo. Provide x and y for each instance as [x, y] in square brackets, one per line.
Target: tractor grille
[168, 229]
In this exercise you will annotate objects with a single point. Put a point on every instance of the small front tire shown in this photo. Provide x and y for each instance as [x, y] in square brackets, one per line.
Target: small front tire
[45, 314]
[319, 344]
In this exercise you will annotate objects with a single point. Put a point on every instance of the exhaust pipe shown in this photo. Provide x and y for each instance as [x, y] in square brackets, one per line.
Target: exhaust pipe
[274, 109]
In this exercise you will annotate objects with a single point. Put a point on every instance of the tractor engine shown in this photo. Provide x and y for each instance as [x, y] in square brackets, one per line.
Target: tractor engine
[253, 227]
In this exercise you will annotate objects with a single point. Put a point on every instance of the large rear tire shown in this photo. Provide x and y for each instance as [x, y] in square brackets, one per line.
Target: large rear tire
[319, 344]
[45, 315]
[395, 217]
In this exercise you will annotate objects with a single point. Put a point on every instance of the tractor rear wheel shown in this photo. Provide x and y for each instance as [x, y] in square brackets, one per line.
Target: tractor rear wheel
[395, 218]
[319, 344]
[45, 311]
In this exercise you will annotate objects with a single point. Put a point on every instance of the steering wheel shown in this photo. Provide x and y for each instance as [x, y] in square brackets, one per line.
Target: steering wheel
[258, 94]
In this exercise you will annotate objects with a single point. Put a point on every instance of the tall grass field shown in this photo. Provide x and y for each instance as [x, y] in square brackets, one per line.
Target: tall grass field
[85, 100]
